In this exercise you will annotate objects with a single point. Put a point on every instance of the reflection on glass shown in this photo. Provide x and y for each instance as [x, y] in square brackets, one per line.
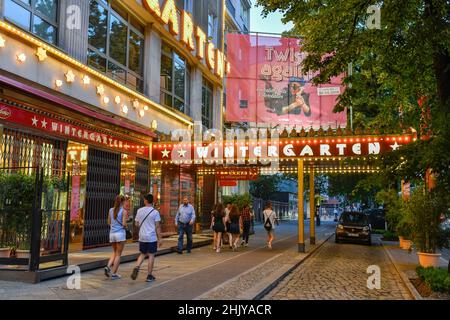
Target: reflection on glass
[166, 72]
[135, 53]
[47, 7]
[98, 26]
[96, 61]
[44, 30]
[118, 40]
[127, 185]
[116, 72]
[17, 14]
[77, 166]
[179, 73]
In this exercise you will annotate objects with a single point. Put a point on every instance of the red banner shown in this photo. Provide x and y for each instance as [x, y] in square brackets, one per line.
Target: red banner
[267, 84]
[232, 174]
[69, 131]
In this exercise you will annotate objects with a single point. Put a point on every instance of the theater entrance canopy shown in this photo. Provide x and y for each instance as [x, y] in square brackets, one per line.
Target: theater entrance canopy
[259, 152]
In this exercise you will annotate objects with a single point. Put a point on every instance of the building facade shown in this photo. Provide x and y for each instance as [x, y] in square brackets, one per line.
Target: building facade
[237, 20]
[86, 86]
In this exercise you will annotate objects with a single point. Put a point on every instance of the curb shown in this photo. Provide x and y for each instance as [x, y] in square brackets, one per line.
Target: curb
[271, 286]
[412, 290]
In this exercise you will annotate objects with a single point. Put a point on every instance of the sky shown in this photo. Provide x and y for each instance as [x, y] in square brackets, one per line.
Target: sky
[271, 24]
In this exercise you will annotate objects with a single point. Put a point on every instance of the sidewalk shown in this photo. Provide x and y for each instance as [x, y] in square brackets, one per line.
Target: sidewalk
[406, 262]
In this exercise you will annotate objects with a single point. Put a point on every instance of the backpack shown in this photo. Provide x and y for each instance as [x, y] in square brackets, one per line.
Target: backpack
[268, 223]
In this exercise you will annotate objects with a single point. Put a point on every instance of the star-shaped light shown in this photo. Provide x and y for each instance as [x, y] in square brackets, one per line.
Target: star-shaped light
[44, 123]
[35, 121]
[145, 108]
[2, 42]
[86, 79]
[41, 53]
[100, 90]
[125, 108]
[141, 113]
[106, 100]
[70, 76]
[165, 153]
[117, 99]
[21, 57]
[58, 83]
[182, 153]
[395, 146]
[135, 104]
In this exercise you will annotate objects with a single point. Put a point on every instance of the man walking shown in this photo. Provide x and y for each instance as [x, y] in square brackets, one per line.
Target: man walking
[150, 238]
[184, 220]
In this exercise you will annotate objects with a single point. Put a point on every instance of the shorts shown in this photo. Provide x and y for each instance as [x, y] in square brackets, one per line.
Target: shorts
[117, 237]
[219, 227]
[148, 247]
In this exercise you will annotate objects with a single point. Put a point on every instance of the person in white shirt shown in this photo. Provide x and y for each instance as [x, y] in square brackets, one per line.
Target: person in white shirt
[150, 238]
[270, 219]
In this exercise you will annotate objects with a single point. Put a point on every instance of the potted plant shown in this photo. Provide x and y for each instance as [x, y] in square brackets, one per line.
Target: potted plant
[424, 210]
[404, 232]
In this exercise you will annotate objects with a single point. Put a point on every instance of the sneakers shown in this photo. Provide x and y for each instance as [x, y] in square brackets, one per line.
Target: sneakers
[218, 250]
[242, 243]
[135, 273]
[116, 277]
[150, 278]
[246, 244]
[107, 271]
[269, 245]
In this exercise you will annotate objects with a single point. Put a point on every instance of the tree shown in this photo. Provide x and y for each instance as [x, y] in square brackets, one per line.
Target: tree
[264, 186]
[406, 59]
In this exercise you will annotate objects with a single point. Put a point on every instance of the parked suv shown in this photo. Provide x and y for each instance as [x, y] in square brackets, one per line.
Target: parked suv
[353, 226]
[377, 218]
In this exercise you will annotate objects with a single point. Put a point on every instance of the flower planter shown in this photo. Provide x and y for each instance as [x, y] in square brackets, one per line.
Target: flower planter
[407, 244]
[5, 252]
[429, 259]
[23, 254]
[401, 239]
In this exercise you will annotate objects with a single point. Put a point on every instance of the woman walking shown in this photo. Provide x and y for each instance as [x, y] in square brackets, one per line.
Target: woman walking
[117, 219]
[247, 217]
[235, 226]
[270, 218]
[218, 225]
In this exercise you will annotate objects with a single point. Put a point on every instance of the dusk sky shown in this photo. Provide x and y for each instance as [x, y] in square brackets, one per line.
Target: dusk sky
[271, 24]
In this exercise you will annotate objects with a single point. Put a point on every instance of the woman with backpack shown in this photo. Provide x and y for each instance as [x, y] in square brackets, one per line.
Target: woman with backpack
[218, 225]
[117, 219]
[270, 219]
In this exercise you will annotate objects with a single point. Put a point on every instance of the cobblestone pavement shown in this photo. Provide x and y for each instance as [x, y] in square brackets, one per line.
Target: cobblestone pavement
[339, 271]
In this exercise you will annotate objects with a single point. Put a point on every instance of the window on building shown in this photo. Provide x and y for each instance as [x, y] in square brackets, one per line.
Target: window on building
[116, 44]
[212, 26]
[175, 80]
[245, 14]
[37, 16]
[189, 6]
[207, 104]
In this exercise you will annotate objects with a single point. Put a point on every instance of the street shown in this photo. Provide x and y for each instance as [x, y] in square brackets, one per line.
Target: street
[338, 271]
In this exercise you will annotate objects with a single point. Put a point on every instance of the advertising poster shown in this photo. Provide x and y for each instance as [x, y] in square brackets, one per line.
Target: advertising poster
[266, 84]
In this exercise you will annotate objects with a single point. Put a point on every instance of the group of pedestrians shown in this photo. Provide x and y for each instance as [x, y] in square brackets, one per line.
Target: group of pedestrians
[228, 223]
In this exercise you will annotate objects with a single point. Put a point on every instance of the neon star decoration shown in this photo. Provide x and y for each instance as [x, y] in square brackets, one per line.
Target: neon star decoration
[141, 113]
[135, 104]
[395, 146]
[100, 90]
[145, 108]
[165, 153]
[106, 100]
[35, 121]
[86, 79]
[125, 109]
[117, 99]
[182, 153]
[70, 76]
[21, 57]
[58, 83]
[41, 54]
[2, 42]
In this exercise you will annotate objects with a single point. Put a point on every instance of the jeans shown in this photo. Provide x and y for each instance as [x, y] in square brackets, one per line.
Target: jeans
[246, 231]
[182, 229]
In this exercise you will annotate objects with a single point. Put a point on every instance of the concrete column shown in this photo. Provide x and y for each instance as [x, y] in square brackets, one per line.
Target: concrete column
[196, 94]
[152, 65]
[301, 224]
[312, 227]
[72, 39]
[217, 108]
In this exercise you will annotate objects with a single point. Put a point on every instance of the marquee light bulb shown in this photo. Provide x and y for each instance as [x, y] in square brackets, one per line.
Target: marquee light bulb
[106, 100]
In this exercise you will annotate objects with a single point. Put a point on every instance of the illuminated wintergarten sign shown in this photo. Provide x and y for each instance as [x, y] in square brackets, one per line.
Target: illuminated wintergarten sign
[188, 31]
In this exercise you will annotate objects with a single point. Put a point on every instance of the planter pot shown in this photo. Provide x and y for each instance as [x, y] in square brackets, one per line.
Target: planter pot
[401, 239]
[407, 244]
[23, 254]
[429, 259]
[5, 252]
